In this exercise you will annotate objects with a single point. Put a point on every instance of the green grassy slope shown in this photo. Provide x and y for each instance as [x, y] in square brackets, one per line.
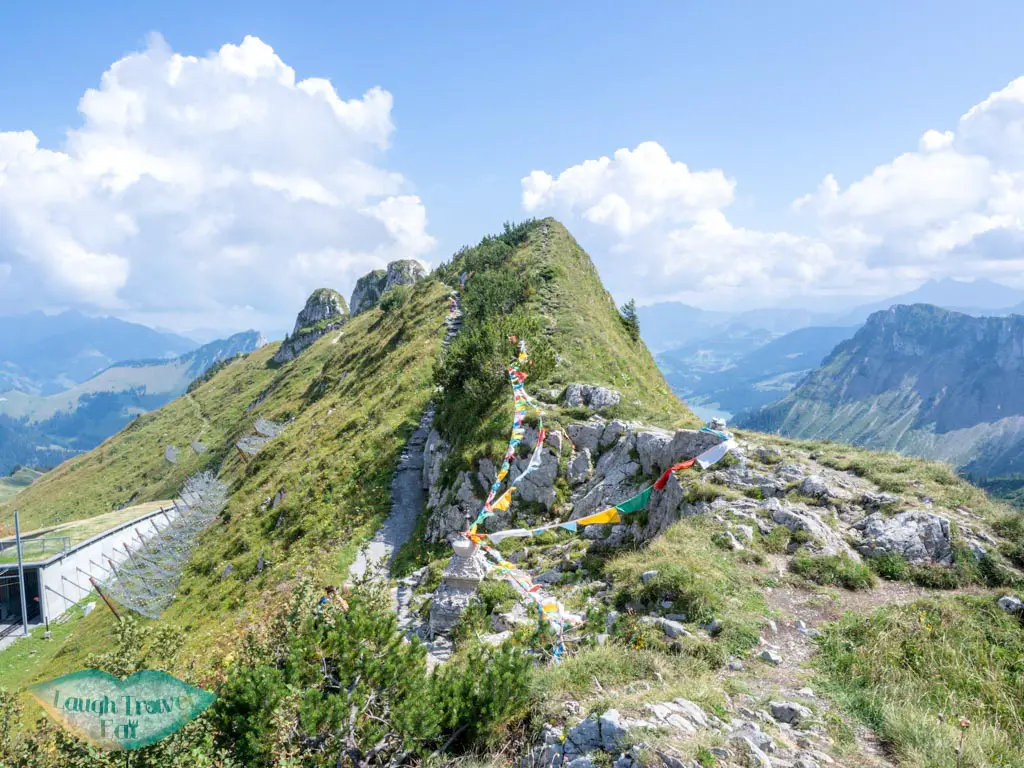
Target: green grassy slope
[15, 482]
[354, 398]
[583, 326]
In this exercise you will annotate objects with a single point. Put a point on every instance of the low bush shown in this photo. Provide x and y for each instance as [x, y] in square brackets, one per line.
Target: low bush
[891, 566]
[345, 683]
[832, 570]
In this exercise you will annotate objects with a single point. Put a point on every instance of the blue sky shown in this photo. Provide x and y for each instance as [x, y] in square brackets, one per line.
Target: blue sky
[777, 96]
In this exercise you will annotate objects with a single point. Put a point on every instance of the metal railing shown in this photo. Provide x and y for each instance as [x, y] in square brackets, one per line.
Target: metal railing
[32, 549]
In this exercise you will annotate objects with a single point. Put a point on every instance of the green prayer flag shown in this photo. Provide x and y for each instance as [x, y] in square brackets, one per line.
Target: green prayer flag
[635, 504]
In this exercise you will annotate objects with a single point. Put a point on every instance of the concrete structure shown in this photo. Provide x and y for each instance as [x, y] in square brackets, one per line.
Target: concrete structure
[54, 583]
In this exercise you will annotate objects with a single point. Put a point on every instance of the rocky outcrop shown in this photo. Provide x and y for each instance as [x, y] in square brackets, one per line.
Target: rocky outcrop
[608, 462]
[373, 285]
[325, 310]
[369, 288]
[916, 535]
[589, 396]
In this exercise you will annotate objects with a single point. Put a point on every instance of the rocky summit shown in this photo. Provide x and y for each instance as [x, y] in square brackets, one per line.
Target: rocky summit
[325, 310]
[789, 604]
[373, 285]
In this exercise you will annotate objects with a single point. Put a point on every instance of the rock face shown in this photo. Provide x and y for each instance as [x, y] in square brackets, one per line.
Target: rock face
[917, 536]
[372, 286]
[325, 311]
[369, 288]
[920, 380]
[605, 466]
[590, 396]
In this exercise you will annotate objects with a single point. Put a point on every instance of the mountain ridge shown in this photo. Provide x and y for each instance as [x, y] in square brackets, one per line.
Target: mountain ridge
[922, 380]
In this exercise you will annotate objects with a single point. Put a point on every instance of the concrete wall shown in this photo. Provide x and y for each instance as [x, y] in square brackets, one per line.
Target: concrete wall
[65, 579]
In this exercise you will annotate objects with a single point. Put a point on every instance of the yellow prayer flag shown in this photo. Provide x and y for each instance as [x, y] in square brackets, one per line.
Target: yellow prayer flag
[610, 515]
[502, 503]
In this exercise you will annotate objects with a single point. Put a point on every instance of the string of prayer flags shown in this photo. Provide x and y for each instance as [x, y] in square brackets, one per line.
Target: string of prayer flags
[716, 454]
[612, 514]
[660, 485]
[520, 399]
[636, 503]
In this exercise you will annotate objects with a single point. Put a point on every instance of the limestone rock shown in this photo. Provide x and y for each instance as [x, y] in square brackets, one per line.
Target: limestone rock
[671, 628]
[613, 730]
[817, 487]
[1011, 604]
[798, 517]
[789, 712]
[916, 535]
[579, 468]
[586, 434]
[369, 288]
[771, 657]
[403, 272]
[590, 396]
[615, 429]
[373, 285]
[539, 485]
[324, 311]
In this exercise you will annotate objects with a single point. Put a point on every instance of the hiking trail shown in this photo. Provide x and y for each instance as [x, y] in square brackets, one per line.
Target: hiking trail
[407, 493]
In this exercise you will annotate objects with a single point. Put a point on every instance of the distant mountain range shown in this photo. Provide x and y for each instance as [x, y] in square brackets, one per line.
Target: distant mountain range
[723, 363]
[670, 325]
[716, 376]
[43, 430]
[919, 380]
[43, 354]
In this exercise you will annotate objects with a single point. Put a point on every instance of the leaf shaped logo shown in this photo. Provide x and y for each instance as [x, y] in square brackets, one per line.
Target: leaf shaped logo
[121, 714]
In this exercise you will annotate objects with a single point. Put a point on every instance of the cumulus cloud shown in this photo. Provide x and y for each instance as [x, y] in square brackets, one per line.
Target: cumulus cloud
[954, 206]
[204, 190]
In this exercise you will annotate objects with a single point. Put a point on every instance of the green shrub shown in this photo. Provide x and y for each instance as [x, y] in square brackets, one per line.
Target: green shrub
[318, 684]
[776, 541]
[395, 298]
[832, 570]
[891, 566]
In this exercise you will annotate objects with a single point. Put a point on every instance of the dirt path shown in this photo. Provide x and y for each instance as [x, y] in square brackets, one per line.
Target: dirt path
[799, 612]
[407, 494]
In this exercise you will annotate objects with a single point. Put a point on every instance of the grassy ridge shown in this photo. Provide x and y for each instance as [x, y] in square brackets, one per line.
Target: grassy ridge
[354, 398]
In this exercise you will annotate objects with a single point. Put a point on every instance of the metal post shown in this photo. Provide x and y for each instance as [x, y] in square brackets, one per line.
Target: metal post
[21, 573]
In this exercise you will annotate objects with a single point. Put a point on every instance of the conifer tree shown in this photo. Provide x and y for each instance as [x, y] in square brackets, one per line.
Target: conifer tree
[630, 320]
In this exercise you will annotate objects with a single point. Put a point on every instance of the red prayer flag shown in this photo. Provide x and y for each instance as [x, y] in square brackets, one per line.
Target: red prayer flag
[660, 485]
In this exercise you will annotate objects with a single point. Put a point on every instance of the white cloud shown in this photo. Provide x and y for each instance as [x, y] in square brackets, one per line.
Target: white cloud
[953, 207]
[213, 187]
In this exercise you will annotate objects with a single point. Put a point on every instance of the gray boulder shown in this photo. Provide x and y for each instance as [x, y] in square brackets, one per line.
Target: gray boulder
[671, 628]
[798, 517]
[586, 434]
[918, 536]
[590, 396]
[579, 468]
[817, 487]
[613, 730]
[789, 712]
[1011, 604]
